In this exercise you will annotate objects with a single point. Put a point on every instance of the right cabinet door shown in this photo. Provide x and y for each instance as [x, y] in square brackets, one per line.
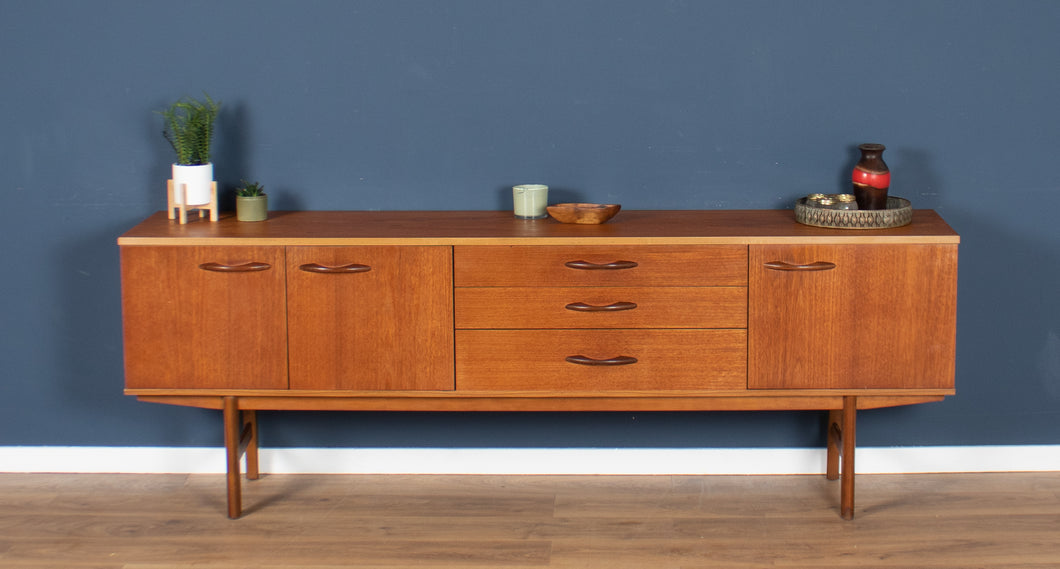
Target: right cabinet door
[370, 317]
[871, 316]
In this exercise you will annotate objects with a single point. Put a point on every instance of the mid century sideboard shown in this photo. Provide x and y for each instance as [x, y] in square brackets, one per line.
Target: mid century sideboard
[478, 311]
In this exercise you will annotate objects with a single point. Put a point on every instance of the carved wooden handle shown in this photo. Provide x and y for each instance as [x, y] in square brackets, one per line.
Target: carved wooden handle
[815, 266]
[613, 307]
[615, 361]
[587, 266]
[344, 269]
[244, 268]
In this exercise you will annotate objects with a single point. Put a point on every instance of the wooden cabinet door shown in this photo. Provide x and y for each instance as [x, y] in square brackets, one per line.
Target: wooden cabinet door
[204, 317]
[370, 317]
[852, 316]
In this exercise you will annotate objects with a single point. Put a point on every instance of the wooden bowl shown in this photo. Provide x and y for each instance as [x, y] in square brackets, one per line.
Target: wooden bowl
[585, 213]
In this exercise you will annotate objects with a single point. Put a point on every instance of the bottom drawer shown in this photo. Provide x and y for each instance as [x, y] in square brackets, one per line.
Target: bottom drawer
[600, 360]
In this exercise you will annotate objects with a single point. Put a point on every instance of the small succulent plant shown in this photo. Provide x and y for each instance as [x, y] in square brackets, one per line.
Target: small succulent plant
[250, 189]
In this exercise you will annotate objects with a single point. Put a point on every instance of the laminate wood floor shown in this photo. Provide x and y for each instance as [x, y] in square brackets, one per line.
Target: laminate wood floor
[919, 521]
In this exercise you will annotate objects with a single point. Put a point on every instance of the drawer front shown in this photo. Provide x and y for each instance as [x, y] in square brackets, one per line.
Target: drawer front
[626, 360]
[600, 265]
[601, 307]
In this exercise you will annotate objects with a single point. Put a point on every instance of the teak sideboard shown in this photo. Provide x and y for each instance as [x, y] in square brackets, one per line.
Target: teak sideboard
[478, 311]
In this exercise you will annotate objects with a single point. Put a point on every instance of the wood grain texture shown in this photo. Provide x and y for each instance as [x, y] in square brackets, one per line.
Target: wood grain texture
[499, 228]
[369, 315]
[531, 265]
[388, 328]
[536, 359]
[655, 307]
[194, 328]
[885, 316]
[543, 400]
[923, 521]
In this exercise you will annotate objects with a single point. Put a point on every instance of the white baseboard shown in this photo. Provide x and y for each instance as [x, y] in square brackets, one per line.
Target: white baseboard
[879, 460]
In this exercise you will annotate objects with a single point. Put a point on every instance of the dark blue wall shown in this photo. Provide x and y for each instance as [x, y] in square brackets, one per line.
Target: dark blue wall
[443, 104]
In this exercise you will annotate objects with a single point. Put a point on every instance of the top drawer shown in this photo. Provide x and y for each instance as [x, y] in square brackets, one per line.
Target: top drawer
[600, 265]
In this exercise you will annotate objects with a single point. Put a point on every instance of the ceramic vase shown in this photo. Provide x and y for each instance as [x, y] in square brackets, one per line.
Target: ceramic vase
[252, 208]
[871, 178]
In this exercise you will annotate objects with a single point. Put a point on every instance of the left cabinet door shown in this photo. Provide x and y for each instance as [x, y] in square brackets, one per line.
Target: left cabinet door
[210, 317]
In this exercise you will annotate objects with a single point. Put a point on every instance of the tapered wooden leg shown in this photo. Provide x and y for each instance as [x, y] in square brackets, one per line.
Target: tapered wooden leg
[169, 200]
[846, 483]
[233, 431]
[249, 438]
[835, 421]
[213, 203]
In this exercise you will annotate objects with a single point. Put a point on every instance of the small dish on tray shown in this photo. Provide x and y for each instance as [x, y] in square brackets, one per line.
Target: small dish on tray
[584, 213]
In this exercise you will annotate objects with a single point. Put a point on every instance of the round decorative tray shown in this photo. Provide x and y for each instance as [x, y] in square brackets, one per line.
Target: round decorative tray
[899, 212]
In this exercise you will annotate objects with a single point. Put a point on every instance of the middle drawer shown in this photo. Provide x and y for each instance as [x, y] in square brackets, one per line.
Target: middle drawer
[600, 307]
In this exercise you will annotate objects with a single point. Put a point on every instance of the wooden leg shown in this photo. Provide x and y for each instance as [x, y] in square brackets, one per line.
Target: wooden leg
[214, 216]
[835, 421]
[846, 484]
[169, 199]
[250, 435]
[233, 432]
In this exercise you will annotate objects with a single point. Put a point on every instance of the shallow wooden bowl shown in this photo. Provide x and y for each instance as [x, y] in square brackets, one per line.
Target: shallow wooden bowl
[586, 213]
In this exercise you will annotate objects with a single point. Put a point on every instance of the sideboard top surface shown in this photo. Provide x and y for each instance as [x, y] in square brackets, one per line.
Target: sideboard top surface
[501, 228]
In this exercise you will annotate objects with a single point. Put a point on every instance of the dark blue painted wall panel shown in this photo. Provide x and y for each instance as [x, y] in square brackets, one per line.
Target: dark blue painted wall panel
[445, 104]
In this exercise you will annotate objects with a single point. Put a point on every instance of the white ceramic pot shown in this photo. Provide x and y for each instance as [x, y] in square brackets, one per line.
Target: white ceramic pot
[191, 184]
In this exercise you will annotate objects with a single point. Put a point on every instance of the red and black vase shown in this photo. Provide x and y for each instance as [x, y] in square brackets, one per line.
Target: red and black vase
[871, 178]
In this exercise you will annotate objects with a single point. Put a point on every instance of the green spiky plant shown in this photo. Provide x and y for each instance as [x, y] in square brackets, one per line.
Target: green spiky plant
[250, 189]
[188, 126]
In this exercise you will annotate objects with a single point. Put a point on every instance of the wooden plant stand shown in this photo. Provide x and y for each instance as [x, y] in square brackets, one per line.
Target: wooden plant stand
[179, 209]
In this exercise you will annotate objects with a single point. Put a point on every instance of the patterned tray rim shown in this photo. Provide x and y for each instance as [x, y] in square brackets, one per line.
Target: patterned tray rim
[899, 212]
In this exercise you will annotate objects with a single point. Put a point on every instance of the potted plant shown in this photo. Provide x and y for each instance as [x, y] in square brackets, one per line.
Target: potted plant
[188, 126]
[251, 202]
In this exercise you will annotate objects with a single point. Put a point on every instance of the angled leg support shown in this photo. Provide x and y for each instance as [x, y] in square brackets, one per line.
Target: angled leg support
[842, 433]
[241, 438]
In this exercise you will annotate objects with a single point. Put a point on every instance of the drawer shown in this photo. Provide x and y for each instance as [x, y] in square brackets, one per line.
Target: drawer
[600, 265]
[640, 360]
[601, 307]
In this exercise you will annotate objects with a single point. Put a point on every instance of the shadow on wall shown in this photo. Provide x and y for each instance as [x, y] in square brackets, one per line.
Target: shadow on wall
[233, 141]
[714, 429]
[1008, 335]
[87, 359]
[913, 175]
[234, 133]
